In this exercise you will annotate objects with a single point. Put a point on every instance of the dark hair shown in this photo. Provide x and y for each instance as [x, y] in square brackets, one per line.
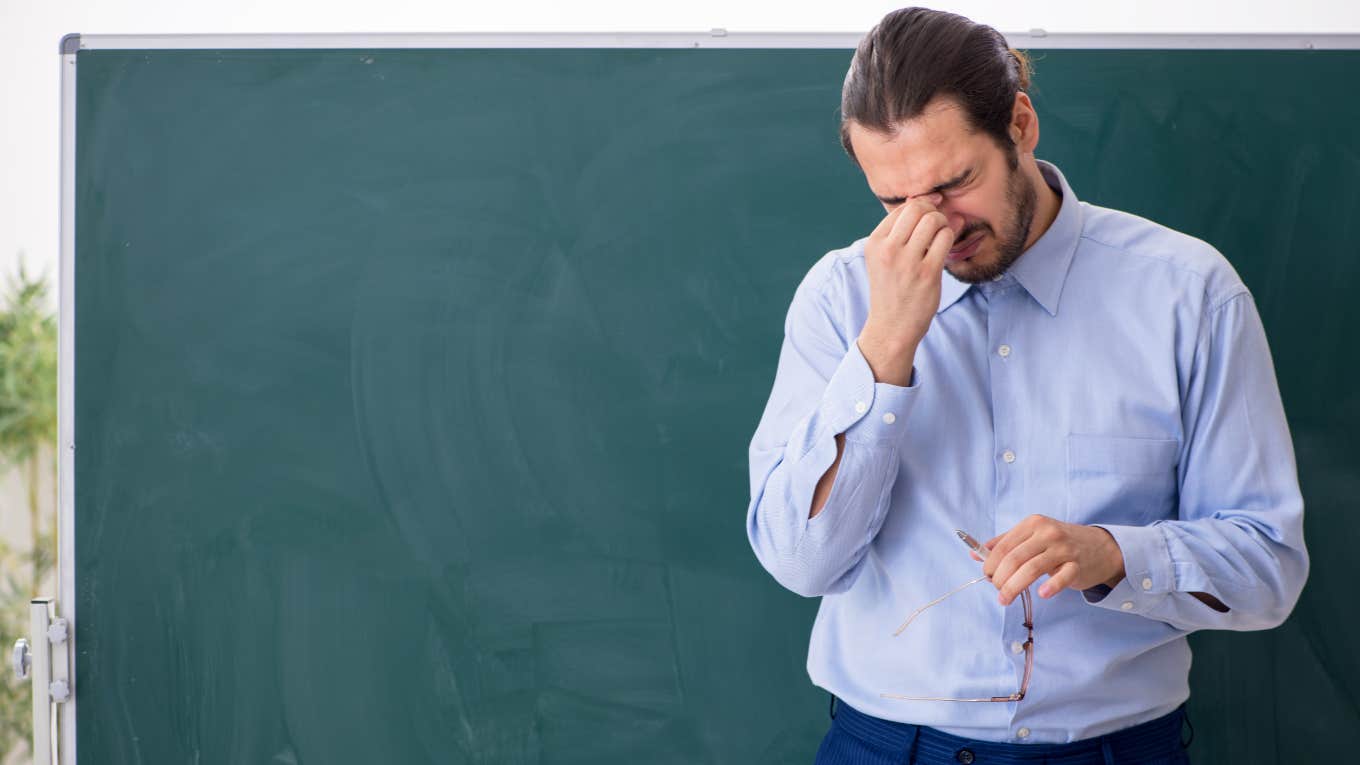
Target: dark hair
[915, 54]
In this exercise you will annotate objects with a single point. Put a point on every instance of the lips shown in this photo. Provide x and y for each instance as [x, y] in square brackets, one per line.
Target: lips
[967, 250]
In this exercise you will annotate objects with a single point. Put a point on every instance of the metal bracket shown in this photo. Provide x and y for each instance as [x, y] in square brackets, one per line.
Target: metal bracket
[46, 663]
[21, 661]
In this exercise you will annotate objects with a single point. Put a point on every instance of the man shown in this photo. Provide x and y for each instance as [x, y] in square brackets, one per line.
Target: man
[1086, 390]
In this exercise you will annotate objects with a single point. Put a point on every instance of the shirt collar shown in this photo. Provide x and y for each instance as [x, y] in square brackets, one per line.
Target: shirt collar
[1042, 269]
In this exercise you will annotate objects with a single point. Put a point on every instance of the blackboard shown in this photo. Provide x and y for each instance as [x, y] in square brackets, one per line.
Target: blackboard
[413, 387]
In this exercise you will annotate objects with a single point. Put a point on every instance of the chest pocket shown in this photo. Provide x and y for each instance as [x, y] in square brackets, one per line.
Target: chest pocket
[1120, 480]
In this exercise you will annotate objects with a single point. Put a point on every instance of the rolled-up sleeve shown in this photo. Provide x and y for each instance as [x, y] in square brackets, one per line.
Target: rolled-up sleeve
[1239, 535]
[823, 387]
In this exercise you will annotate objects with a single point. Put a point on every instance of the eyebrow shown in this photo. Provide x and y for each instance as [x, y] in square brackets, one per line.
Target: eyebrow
[947, 185]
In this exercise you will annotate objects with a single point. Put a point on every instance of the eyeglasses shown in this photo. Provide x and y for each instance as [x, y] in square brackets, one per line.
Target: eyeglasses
[1029, 629]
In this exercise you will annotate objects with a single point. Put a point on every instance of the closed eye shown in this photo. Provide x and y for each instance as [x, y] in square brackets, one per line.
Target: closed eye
[954, 184]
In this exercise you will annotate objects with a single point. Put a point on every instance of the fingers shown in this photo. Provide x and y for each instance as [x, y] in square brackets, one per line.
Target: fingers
[1010, 563]
[886, 225]
[1060, 580]
[924, 234]
[939, 248]
[911, 211]
[1043, 563]
[1002, 546]
[909, 221]
[1036, 546]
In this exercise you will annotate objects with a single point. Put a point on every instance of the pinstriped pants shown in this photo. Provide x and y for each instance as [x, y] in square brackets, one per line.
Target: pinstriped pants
[856, 738]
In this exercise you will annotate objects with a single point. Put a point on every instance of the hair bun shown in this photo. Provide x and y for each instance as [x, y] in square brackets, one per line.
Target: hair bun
[1023, 68]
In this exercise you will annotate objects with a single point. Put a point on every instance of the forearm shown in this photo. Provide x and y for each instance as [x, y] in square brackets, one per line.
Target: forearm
[821, 494]
[1210, 573]
[823, 490]
[890, 363]
[1234, 558]
[1116, 563]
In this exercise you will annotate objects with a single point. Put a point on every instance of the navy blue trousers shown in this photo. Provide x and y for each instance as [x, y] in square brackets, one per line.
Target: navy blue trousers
[856, 738]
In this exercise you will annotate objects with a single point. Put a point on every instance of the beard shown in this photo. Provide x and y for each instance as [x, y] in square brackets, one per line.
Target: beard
[1022, 198]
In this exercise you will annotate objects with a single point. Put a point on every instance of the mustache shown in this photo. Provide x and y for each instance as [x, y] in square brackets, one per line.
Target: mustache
[969, 230]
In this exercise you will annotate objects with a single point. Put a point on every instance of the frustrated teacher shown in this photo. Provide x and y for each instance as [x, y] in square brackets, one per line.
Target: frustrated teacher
[1082, 395]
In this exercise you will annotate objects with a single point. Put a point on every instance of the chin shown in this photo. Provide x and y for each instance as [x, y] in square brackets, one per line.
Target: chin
[976, 269]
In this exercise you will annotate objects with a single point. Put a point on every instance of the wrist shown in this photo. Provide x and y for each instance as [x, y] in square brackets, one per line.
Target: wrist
[1115, 556]
[887, 342]
[890, 361]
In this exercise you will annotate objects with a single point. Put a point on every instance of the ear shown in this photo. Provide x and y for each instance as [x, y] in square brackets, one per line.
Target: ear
[1024, 127]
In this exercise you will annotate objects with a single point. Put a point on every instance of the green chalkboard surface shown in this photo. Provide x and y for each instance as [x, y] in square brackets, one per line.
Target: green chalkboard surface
[413, 387]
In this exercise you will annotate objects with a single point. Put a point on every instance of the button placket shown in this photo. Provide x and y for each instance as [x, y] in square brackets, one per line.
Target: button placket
[1008, 499]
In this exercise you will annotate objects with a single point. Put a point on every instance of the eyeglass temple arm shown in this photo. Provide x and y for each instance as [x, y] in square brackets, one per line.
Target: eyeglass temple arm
[1013, 697]
[918, 611]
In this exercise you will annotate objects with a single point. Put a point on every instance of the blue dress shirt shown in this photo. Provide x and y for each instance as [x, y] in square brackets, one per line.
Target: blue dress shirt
[1117, 375]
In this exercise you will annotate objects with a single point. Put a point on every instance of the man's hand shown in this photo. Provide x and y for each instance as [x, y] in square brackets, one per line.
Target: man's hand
[904, 257]
[1073, 555]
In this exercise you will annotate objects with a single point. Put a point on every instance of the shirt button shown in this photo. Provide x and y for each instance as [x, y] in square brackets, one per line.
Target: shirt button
[890, 418]
[1023, 733]
[964, 756]
[1127, 605]
[861, 407]
[1004, 351]
[1008, 456]
[1147, 584]
[1017, 646]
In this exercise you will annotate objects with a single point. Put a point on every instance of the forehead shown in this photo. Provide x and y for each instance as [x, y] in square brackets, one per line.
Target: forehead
[924, 151]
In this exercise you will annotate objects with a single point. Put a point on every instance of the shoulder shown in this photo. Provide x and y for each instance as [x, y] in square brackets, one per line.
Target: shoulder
[828, 277]
[1114, 239]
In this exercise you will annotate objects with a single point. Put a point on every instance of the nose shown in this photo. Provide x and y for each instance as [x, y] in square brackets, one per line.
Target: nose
[957, 222]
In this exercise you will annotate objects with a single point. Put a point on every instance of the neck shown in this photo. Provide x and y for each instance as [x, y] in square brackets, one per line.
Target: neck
[1047, 204]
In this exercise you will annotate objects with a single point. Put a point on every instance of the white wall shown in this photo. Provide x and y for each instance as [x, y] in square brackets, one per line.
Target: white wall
[15, 528]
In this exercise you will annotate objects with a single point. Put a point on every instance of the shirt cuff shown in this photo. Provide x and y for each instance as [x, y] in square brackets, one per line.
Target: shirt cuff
[864, 410]
[1148, 576]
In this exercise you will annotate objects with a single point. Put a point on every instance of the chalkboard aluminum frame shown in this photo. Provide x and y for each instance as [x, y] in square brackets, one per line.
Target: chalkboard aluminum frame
[71, 44]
